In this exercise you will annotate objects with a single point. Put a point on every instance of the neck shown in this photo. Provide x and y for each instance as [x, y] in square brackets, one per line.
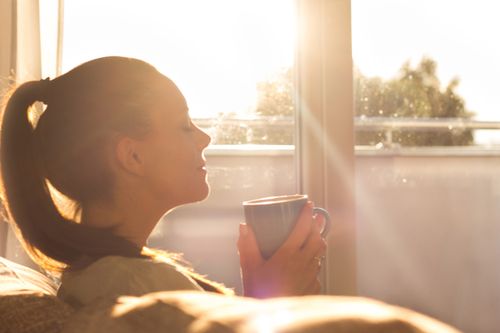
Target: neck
[129, 215]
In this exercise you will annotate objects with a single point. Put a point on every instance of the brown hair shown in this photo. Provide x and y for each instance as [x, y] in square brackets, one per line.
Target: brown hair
[62, 154]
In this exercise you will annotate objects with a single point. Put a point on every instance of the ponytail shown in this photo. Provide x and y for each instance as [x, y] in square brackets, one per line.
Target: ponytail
[52, 240]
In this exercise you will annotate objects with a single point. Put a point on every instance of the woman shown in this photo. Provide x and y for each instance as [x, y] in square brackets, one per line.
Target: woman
[86, 182]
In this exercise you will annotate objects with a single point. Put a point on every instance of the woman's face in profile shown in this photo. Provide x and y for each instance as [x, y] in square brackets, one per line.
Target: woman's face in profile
[175, 165]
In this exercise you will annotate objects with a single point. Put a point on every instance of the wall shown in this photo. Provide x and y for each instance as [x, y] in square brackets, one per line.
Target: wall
[429, 235]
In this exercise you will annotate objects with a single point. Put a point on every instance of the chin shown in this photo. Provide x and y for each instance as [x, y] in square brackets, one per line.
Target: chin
[204, 193]
[196, 195]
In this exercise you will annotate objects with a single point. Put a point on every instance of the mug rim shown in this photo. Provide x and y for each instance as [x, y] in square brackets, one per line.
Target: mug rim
[275, 199]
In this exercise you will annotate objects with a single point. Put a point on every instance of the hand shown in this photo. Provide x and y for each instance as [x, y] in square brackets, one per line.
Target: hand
[293, 269]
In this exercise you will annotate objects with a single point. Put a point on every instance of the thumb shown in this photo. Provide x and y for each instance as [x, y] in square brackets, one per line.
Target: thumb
[250, 256]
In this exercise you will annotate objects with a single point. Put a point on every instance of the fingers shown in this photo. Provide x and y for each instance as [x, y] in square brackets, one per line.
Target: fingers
[311, 279]
[301, 230]
[321, 221]
[294, 269]
[314, 288]
[248, 249]
[315, 245]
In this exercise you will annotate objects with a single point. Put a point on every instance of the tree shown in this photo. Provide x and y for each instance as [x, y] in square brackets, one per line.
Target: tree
[275, 104]
[275, 96]
[275, 100]
[416, 93]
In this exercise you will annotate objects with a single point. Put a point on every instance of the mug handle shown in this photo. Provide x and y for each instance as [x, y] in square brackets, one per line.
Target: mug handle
[328, 220]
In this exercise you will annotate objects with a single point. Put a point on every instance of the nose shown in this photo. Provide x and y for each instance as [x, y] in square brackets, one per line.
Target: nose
[203, 138]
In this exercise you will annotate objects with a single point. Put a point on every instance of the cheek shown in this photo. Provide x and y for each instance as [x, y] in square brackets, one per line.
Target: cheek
[161, 165]
[171, 173]
[159, 162]
[167, 168]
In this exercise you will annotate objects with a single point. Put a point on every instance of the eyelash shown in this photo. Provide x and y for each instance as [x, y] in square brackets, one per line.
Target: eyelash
[189, 129]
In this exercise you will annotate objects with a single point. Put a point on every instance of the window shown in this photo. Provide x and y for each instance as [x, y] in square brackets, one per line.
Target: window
[232, 59]
[426, 189]
[427, 161]
[425, 73]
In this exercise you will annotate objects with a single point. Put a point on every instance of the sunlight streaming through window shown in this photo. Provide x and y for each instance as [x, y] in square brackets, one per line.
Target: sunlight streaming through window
[216, 51]
[426, 59]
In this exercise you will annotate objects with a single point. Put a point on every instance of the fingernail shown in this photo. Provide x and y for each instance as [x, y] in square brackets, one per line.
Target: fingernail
[243, 229]
[319, 223]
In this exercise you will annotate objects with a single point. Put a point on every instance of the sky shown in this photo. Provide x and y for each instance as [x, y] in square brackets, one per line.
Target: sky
[216, 51]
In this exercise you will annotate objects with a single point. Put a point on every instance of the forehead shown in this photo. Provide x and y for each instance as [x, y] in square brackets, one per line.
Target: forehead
[169, 100]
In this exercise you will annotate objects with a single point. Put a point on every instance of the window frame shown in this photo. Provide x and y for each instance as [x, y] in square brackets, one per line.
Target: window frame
[325, 130]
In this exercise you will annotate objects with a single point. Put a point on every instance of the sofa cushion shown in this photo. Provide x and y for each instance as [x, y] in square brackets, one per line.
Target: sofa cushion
[15, 277]
[27, 301]
[198, 312]
[32, 312]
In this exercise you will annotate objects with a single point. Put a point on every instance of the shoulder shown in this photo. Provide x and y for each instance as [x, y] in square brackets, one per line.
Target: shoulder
[114, 276]
[125, 265]
[147, 271]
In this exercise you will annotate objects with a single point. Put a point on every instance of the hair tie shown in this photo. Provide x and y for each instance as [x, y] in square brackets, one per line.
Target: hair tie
[43, 90]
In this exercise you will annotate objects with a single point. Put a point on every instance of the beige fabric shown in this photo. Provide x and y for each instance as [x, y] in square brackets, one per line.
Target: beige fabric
[116, 276]
[26, 308]
[32, 312]
[195, 312]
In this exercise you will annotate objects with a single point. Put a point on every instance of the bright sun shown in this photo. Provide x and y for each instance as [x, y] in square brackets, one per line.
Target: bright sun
[216, 51]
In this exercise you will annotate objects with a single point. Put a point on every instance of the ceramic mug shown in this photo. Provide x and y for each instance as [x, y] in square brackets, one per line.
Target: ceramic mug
[273, 218]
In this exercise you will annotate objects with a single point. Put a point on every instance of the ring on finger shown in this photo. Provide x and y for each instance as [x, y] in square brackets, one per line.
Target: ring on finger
[319, 259]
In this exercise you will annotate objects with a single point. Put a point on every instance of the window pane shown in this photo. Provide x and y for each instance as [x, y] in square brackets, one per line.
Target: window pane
[426, 59]
[48, 37]
[231, 58]
[426, 184]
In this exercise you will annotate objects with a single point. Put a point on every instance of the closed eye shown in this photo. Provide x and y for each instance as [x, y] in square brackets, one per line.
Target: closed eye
[189, 127]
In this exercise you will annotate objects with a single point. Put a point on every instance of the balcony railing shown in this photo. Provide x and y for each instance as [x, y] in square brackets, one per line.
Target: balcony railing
[443, 124]
[360, 123]
[386, 125]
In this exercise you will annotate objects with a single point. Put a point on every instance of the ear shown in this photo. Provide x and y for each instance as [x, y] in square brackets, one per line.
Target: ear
[129, 156]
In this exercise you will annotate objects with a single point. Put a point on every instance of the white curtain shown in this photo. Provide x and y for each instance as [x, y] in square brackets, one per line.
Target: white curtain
[20, 60]
[20, 40]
